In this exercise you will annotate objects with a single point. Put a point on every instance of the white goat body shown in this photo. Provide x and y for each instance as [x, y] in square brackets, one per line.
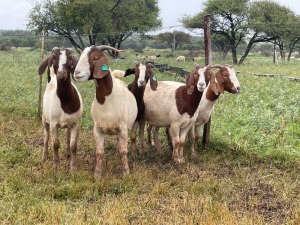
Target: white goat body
[62, 104]
[223, 80]
[180, 58]
[114, 108]
[174, 106]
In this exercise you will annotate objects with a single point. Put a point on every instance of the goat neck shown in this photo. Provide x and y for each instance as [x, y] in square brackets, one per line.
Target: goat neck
[104, 88]
[188, 97]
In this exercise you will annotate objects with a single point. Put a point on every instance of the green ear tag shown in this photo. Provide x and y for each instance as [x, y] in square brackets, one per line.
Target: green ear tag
[104, 67]
[154, 78]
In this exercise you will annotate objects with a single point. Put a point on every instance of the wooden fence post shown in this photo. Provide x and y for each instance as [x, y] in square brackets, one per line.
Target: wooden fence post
[208, 61]
[41, 77]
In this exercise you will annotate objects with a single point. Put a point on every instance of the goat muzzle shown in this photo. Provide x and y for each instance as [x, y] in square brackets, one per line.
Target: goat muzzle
[62, 75]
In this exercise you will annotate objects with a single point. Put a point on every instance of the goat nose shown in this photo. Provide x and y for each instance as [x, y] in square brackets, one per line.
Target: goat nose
[142, 82]
[76, 72]
[238, 89]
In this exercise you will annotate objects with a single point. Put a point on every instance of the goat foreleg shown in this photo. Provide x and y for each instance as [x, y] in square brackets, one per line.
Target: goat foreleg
[68, 138]
[46, 140]
[55, 144]
[99, 140]
[73, 147]
[123, 148]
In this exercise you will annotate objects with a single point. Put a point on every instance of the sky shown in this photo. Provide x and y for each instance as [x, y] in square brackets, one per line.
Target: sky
[14, 13]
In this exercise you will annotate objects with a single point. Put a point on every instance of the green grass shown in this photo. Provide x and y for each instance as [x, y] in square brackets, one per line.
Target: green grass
[248, 174]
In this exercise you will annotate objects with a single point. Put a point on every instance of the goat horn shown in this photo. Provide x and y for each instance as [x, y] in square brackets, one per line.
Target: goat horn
[218, 66]
[106, 47]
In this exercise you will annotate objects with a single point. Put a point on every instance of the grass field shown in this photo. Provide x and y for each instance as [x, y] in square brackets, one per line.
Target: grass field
[248, 174]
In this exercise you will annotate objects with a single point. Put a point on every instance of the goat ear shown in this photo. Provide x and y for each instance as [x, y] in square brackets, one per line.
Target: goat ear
[128, 72]
[74, 63]
[43, 66]
[214, 84]
[153, 82]
[190, 83]
[101, 68]
[221, 87]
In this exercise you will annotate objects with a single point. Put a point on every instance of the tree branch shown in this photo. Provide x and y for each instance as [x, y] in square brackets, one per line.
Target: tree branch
[115, 6]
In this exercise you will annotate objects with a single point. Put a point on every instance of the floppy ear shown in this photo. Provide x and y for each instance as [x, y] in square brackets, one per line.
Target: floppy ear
[190, 83]
[74, 63]
[101, 68]
[43, 66]
[214, 84]
[220, 86]
[153, 82]
[128, 72]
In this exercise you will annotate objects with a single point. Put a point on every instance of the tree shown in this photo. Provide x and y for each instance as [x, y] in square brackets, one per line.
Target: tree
[174, 39]
[270, 22]
[104, 21]
[238, 21]
[220, 44]
[228, 19]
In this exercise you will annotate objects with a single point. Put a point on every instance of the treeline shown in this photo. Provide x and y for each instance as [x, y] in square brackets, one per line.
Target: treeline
[10, 39]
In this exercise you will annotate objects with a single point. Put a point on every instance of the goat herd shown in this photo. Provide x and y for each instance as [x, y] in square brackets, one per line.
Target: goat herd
[119, 109]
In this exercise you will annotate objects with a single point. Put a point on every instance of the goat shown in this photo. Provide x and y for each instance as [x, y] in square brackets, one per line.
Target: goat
[197, 58]
[176, 107]
[151, 57]
[223, 80]
[143, 73]
[180, 58]
[114, 108]
[62, 104]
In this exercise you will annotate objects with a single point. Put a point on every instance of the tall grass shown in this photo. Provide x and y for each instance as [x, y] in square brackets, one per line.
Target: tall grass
[248, 174]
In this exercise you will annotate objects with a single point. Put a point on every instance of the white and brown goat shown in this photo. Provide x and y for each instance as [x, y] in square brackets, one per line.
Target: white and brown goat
[114, 108]
[176, 107]
[62, 104]
[142, 74]
[224, 79]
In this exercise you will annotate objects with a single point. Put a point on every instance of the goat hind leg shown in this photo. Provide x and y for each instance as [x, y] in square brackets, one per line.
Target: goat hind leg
[133, 139]
[141, 135]
[156, 140]
[174, 133]
[192, 140]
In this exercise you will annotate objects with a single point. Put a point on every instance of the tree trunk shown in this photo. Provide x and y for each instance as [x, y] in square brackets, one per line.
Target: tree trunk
[249, 46]
[234, 55]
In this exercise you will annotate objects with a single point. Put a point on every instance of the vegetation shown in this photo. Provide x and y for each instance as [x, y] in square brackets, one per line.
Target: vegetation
[174, 39]
[248, 174]
[236, 22]
[106, 21]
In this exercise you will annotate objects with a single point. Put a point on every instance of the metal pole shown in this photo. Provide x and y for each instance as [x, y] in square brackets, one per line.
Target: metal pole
[208, 61]
[41, 77]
